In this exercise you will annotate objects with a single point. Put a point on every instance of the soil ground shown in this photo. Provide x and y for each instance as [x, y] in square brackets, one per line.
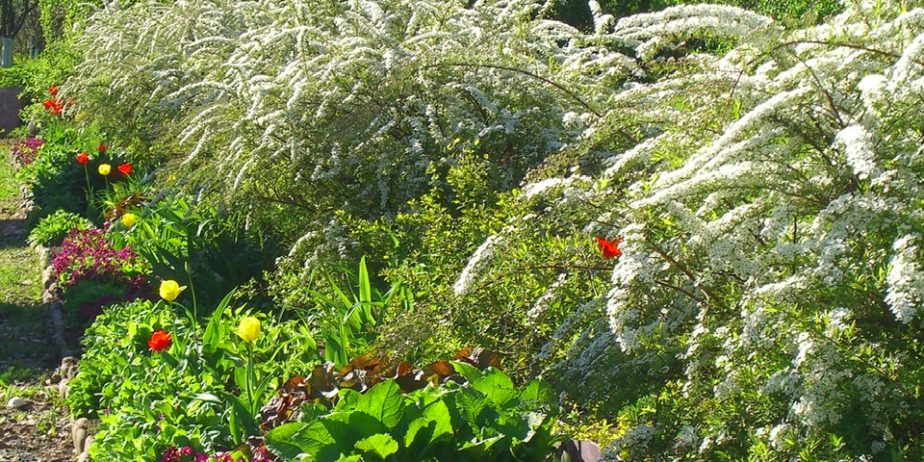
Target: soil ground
[39, 431]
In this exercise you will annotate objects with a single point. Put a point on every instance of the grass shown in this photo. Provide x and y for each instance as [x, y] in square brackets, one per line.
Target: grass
[25, 349]
[9, 185]
[20, 277]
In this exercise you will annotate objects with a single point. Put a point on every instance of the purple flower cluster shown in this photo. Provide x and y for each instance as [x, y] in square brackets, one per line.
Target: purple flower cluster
[25, 150]
[187, 454]
[88, 255]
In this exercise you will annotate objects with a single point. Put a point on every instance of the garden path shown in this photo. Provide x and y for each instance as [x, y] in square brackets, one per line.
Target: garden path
[38, 430]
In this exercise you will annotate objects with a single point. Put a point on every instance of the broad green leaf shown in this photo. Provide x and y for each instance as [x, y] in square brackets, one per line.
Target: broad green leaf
[381, 445]
[471, 373]
[344, 429]
[470, 404]
[536, 394]
[287, 440]
[385, 402]
[348, 399]
[434, 423]
[319, 442]
[496, 386]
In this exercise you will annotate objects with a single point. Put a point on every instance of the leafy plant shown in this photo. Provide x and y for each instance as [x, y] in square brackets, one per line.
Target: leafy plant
[187, 395]
[52, 229]
[486, 419]
[347, 319]
[186, 243]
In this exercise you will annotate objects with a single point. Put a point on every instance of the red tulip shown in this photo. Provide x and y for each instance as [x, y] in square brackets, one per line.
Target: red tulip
[83, 158]
[102, 148]
[53, 90]
[159, 341]
[610, 249]
[125, 168]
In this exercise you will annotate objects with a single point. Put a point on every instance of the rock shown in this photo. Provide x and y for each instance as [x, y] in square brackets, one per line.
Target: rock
[579, 451]
[80, 431]
[63, 388]
[17, 403]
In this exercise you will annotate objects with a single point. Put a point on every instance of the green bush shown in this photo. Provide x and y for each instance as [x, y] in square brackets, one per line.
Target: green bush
[52, 229]
[186, 395]
[487, 419]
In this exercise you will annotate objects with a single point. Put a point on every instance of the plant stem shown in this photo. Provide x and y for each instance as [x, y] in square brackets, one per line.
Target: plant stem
[250, 379]
[192, 291]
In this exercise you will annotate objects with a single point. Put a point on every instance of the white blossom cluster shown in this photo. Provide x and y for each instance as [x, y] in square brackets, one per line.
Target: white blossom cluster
[771, 212]
[340, 105]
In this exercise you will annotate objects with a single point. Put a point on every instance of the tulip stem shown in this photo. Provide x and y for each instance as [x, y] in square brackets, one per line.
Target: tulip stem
[86, 176]
[250, 379]
[192, 291]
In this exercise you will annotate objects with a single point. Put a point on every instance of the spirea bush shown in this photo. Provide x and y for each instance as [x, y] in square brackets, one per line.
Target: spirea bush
[297, 107]
[767, 302]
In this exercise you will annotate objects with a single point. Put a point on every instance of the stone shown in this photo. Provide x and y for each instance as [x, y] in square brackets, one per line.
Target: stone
[79, 431]
[579, 451]
[17, 403]
[63, 388]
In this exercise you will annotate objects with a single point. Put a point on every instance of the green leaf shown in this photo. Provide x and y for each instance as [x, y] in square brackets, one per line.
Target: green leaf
[212, 336]
[471, 373]
[240, 415]
[381, 445]
[345, 429]
[286, 440]
[365, 288]
[496, 386]
[536, 394]
[385, 402]
[471, 404]
[434, 423]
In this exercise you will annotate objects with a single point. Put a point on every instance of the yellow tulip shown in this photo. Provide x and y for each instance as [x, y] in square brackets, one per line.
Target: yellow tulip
[129, 220]
[249, 328]
[104, 169]
[170, 290]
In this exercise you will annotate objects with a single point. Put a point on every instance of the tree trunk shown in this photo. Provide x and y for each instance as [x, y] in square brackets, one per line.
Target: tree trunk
[6, 55]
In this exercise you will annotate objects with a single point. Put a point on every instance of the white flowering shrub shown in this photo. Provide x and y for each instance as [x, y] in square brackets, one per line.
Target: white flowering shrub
[281, 107]
[768, 300]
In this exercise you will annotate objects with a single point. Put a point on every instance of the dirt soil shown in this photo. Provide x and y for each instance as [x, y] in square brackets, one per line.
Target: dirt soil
[37, 431]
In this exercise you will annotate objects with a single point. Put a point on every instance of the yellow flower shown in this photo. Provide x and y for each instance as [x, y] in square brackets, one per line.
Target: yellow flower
[104, 169]
[170, 290]
[249, 328]
[129, 220]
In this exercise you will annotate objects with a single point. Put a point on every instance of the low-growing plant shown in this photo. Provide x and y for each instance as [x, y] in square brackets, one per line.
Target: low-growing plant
[485, 419]
[25, 150]
[52, 229]
[88, 255]
[158, 381]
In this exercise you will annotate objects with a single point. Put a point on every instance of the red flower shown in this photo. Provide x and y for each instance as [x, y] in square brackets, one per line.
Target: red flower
[83, 158]
[53, 90]
[125, 168]
[49, 103]
[159, 341]
[102, 148]
[610, 249]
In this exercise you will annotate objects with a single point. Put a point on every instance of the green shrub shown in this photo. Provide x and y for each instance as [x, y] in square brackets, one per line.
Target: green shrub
[186, 395]
[487, 419]
[52, 229]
